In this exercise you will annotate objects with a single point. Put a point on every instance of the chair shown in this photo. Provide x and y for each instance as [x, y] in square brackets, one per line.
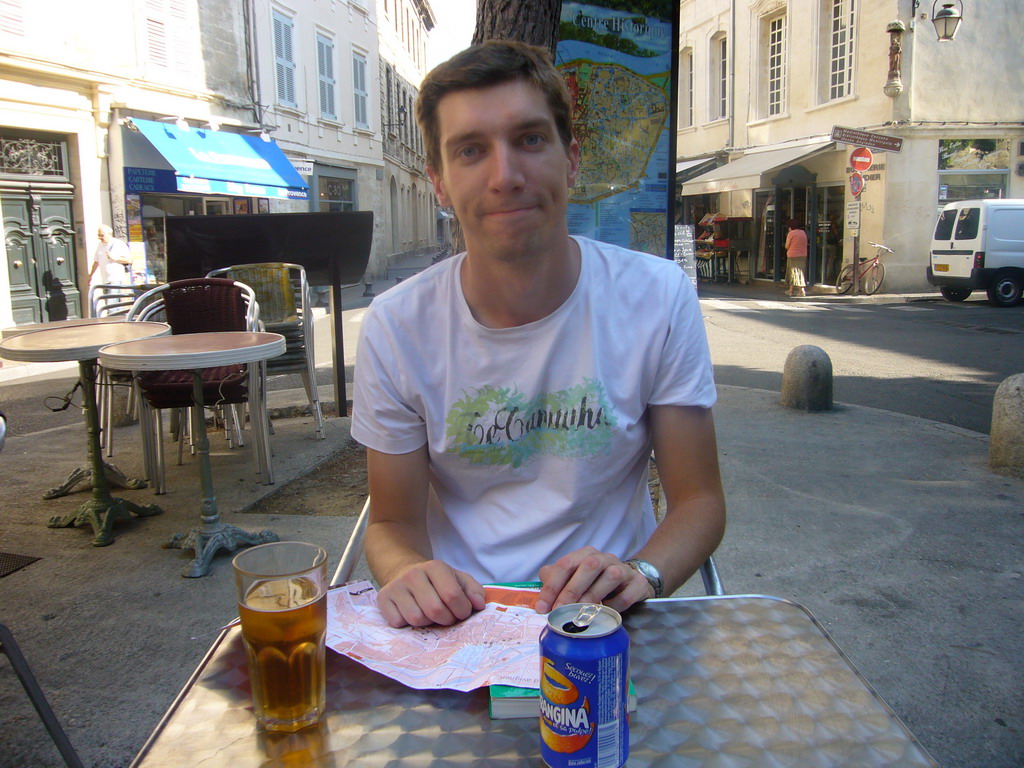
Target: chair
[285, 301]
[354, 551]
[28, 681]
[195, 306]
[106, 301]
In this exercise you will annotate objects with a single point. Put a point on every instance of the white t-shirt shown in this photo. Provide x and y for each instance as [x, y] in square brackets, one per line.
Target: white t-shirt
[538, 437]
[109, 271]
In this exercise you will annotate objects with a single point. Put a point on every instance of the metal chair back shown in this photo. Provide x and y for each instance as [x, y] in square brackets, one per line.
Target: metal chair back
[10, 648]
[201, 305]
[285, 301]
[354, 551]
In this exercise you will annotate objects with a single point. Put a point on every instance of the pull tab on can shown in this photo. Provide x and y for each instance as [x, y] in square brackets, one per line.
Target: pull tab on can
[581, 622]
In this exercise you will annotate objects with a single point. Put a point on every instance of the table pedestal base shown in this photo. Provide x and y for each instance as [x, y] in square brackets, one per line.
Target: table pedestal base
[115, 478]
[101, 514]
[206, 541]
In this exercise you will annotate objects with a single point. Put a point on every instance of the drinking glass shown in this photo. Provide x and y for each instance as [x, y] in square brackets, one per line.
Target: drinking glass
[282, 588]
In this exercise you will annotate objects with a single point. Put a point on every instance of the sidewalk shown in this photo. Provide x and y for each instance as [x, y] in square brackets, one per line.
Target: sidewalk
[889, 528]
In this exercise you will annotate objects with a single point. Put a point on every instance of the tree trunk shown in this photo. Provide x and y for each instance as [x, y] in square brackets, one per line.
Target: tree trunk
[534, 21]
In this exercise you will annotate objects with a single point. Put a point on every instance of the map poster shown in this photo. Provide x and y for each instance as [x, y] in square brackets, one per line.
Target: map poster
[617, 58]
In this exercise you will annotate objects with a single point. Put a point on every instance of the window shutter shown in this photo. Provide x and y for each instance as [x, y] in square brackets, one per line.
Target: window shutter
[284, 64]
[359, 90]
[12, 18]
[325, 69]
[156, 42]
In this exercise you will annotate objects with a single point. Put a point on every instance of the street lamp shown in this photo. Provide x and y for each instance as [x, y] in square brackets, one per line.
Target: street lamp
[401, 119]
[947, 19]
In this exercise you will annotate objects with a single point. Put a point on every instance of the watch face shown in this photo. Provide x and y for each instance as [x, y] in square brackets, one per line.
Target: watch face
[650, 573]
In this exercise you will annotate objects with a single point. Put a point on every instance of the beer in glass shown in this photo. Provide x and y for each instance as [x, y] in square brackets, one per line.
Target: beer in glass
[282, 588]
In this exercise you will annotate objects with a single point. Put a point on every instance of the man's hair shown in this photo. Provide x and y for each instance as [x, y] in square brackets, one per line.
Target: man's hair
[481, 66]
[105, 229]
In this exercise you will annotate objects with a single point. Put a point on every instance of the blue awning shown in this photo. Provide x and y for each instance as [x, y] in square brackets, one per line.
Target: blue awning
[208, 162]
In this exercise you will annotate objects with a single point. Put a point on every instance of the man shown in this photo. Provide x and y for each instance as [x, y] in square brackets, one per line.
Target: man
[113, 261]
[509, 397]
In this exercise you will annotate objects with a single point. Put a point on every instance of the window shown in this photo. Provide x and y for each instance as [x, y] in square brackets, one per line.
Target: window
[336, 194]
[686, 89]
[836, 49]
[325, 72]
[284, 61]
[718, 106]
[775, 69]
[967, 224]
[169, 37]
[12, 18]
[944, 226]
[359, 92]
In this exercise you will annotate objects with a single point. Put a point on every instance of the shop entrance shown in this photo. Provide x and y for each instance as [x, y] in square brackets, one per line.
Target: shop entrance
[771, 227]
[820, 210]
[829, 233]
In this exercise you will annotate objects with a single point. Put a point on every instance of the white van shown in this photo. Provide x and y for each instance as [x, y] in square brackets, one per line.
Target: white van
[979, 245]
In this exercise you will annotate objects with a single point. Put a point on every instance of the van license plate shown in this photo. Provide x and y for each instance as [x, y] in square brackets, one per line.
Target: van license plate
[942, 267]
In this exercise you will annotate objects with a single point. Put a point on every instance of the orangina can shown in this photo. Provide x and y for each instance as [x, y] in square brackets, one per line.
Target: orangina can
[584, 668]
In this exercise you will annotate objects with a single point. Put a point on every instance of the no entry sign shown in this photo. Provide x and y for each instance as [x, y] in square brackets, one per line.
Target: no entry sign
[860, 159]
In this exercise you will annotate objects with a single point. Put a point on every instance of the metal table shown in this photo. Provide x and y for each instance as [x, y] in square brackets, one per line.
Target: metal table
[82, 341]
[19, 330]
[723, 681]
[195, 351]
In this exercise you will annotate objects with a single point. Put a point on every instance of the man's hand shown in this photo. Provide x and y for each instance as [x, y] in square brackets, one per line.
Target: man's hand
[589, 576]
[428, 593]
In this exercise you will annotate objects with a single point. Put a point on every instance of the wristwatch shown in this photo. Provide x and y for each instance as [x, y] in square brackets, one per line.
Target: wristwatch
[649, 572]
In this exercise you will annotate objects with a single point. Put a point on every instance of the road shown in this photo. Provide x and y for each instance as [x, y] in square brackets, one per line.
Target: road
[930, 358]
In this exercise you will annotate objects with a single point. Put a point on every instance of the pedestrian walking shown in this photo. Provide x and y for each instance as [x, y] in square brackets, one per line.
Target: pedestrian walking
[796, 259]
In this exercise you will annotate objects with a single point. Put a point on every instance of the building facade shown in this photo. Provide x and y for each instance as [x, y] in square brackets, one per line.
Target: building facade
[409, 212]
[70, 75]
[316, 62]
[763, 84]
[128, 112]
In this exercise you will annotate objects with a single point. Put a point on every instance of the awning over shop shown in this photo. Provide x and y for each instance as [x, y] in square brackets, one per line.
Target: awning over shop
[748, 171]
[161, 157]
[690, 168]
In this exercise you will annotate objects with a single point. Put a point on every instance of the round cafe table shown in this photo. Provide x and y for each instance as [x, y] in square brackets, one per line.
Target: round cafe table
[19, 330]
[195, 351]
[81, 342]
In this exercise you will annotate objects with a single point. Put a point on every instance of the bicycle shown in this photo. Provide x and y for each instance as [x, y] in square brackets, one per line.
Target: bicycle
[870, 275]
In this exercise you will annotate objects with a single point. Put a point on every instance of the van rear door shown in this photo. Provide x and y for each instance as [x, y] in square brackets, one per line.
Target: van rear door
[957, 237]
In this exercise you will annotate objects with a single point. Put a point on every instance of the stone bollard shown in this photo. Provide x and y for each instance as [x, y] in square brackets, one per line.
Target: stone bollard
[807, 379]
[119, 407]
[1006, 438]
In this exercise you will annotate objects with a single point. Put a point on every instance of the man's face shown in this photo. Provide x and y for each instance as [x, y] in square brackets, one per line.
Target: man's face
[504, 169]
[103, 235]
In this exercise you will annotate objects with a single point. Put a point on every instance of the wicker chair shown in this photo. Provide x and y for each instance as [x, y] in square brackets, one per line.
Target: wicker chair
[195, 306]
[285, 307]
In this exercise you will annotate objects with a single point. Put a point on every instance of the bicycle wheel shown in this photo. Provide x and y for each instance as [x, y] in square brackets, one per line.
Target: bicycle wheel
[845, 281]
[873, 278]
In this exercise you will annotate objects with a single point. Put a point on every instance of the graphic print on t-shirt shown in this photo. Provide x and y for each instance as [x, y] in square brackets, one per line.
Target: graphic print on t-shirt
[504, 427]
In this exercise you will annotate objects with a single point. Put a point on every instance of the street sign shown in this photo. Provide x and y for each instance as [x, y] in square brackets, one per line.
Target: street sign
[861, 159]
[853, 216]
[879, 141]
[856, 184]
